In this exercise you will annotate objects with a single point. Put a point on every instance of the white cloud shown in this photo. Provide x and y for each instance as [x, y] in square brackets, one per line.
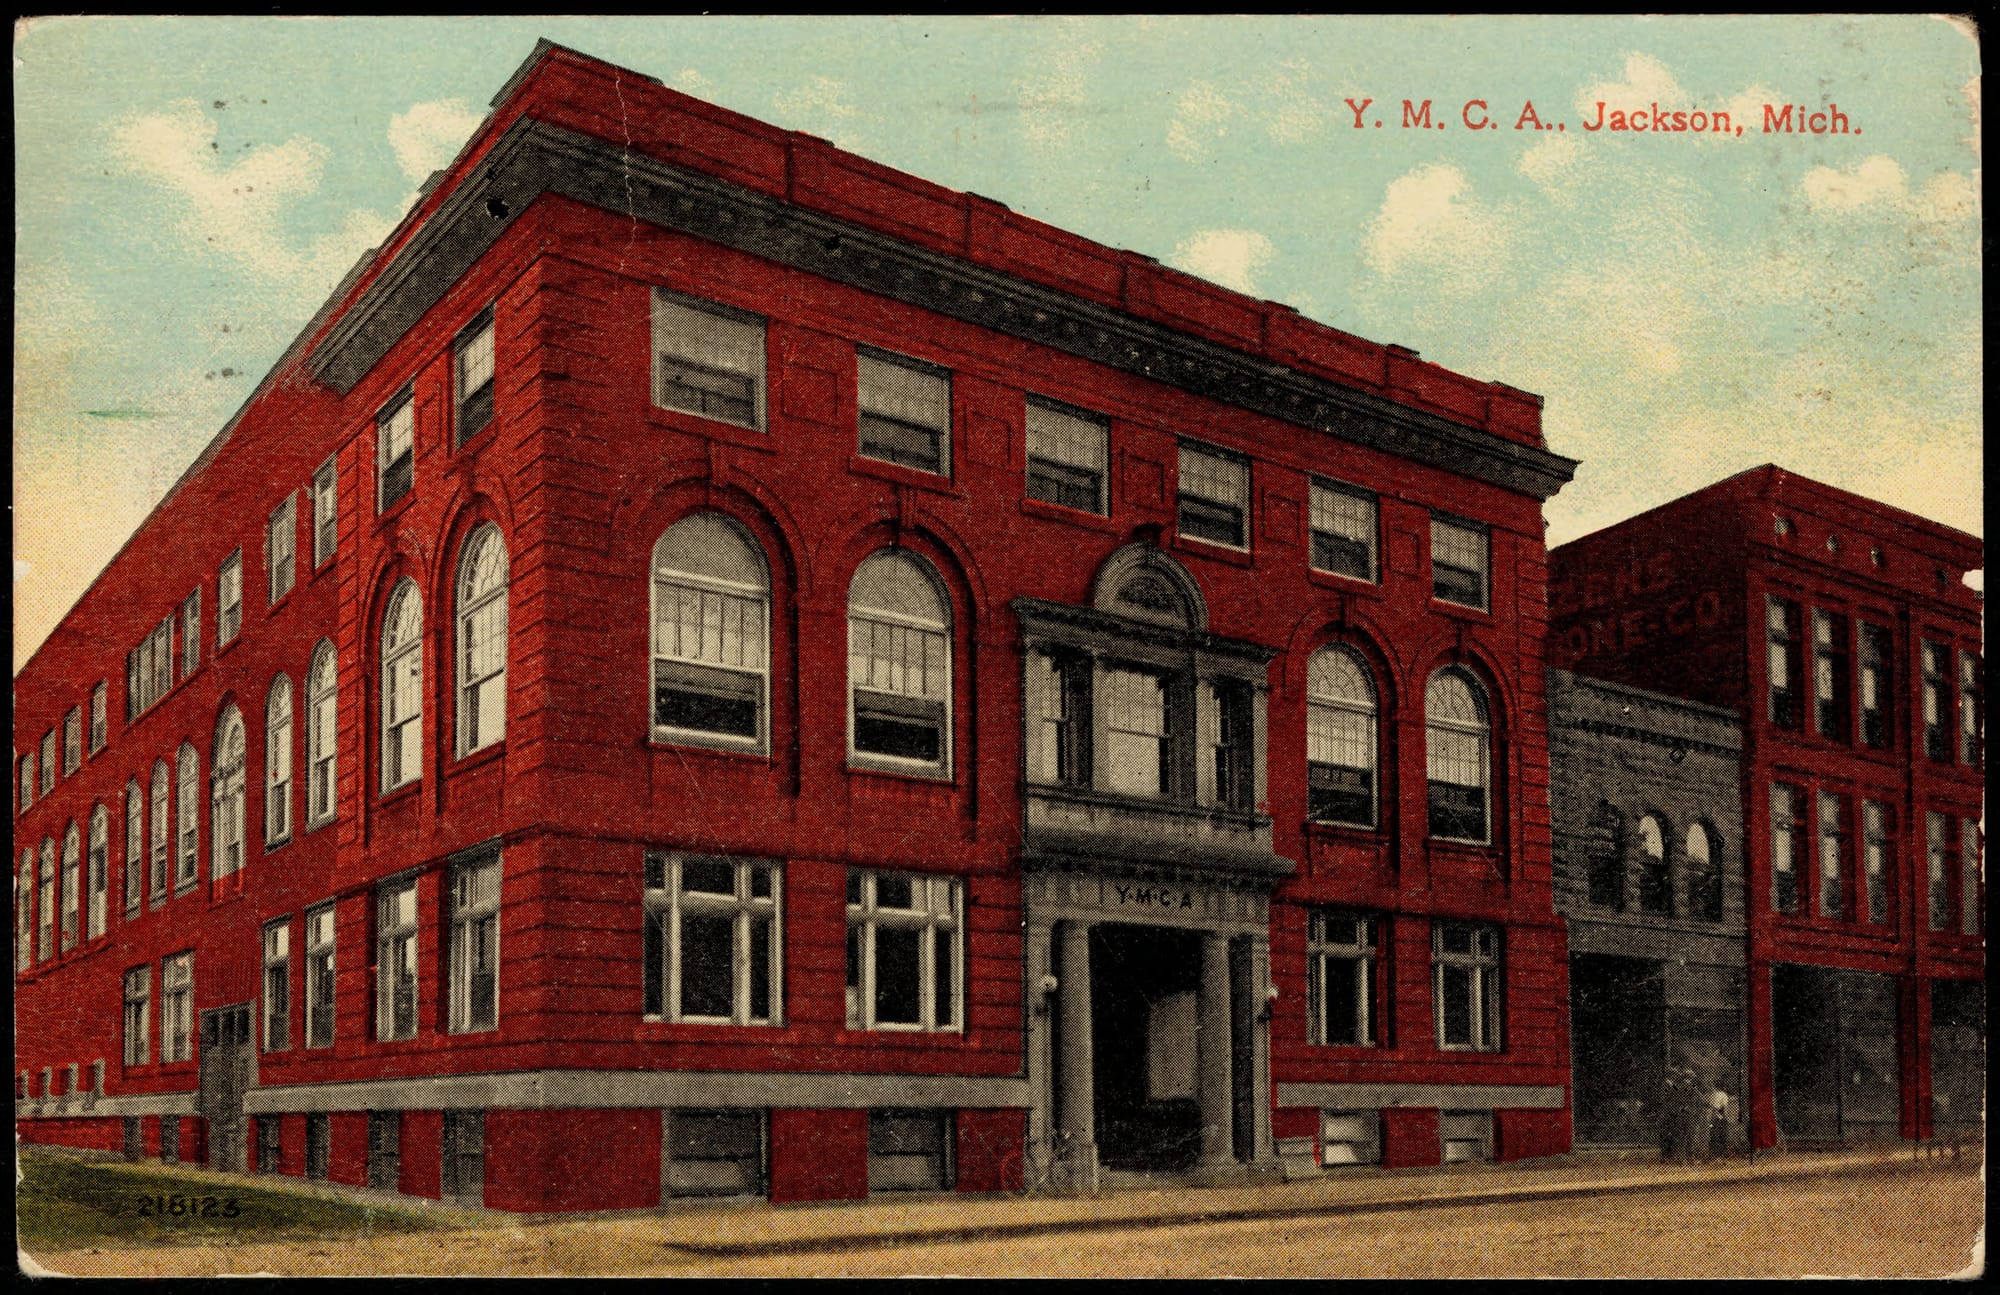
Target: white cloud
[1878, 182]
[1201, 118]
[1296, 114]
[1230, 257]
[1052, 104]
[690, 81]
[1646, 79]
[1747, 109]
[821, 104]
[429, 135]
[1430, 220]
[239, 209]
[1553, 162]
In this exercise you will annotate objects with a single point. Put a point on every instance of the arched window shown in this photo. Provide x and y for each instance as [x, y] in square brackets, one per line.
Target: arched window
[162, 828]
[135, 847]
[72, 885]
[899, 665]
[1704, 874]
[482, 640]
[189, 816]
[24, 912]
[1457, 756]
[711, 633]
[278, 761]
[98, 873]
[227, 807]
[45, 947]
[1340, 738]
[322, 734]
[1656, 881]
[403, 688]
[1605, 859]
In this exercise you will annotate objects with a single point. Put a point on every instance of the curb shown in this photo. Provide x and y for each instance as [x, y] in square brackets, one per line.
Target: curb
[832, 1243]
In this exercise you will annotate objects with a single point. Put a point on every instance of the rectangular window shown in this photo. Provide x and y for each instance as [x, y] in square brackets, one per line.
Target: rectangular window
[270, 1145]
[475, 946]
[100, 698]
[1213, 500]
[1060, 684]
[319, 1145]
[319, 977]
[396, 961]
[135, 848]
[1458, 562]
[909, 1151]
[1971, 910]
[1785, 810]
[1068, 453]
[24, 910]
[73, 740]
[1876, 845]
[385, 1150]
[708, 359]
[97, 870]
[170, 1139]
[395, 451]
[1937, 701]
[1781, 661]
[1830, 675]
[27, 780]
[905, 410]
[229, 599]
[326, 512]
[45, 905]
[278, 985]
[163, 657]
[1937, 841]
[1343, 530]
[1465, 985]
[48, 762]
[713, 951]
[715, 1153]
[1466, 1135]
[177, 1008]
[901, 680]
[160, 829]
[1136, 740]
[464, 1157]
[1971, 710]
[1877, 687]
[1350, 1138]
[1340, 979]
[472, 374]
[72, 889]
[281, 541]
[1832, 854]
[138, 1015]
[1233, 751]
[709, 669]
[191, 632]
[904, 951]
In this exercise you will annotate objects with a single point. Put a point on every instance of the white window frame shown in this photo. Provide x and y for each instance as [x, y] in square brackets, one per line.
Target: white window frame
[135, 847]
[1832, 854]
[73, 740]
[177, 1008]
[100, 723]
[227, 808]
[277, 986]
[1210, 475]
[1937, 872]
[403, 730]
[28, 772]
[1970, 857]
[321, 964]
[1343, 512]
[713, 600]
[45, 906]
[888, 673]
[278, 722]
[1131, 723]
[72, 886]
[191, 632]
[474, 896]
[97, 873]
[1437, 727]
[187, 842]
[48, 762]
[668, 903]
[1877, 844]
[715, 339]
[395, 445]
[326, 512]
[322, 736]
[1332, 720]
[481, 620]
[137, 1047]
[1067, 444]
[1787, 823]
[873, 368]
[938, 908]
[281, 548]
[1454, 543]
[161, 844]
[398, 946]
[24, 912]
[229, 600]
[1483, 969]
[1365, 951]
[472, 376]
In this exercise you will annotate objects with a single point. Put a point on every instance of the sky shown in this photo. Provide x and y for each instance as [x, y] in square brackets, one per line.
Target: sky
[189, 191]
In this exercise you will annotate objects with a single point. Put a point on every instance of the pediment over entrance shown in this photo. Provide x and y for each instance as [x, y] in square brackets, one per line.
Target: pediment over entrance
[1141, 583]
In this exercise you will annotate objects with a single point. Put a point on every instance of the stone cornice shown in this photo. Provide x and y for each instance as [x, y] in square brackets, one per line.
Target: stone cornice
[533, 158]
[1088, 626]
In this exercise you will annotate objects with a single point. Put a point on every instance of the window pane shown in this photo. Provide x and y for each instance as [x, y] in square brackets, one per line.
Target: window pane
[707, 969]
[898, 974]
[1455, 1007]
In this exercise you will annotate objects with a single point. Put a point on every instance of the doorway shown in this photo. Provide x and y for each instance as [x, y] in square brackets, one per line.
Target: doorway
[226, 1073]
[1833, 1054]
[1618, 1029]
[1144, 1008]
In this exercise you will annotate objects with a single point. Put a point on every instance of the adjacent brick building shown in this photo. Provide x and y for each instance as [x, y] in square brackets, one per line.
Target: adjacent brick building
[716, 666]
[1843, 633]
[1645, 800]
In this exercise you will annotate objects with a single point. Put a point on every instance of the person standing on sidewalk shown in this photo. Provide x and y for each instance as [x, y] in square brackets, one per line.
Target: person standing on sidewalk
[1674, 1092]
[1718, 1121]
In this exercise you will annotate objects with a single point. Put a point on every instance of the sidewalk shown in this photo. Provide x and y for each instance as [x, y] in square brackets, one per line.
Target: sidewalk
[752, 1230]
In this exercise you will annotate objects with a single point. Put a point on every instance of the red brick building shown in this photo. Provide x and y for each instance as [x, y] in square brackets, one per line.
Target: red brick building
[1842, 631]
[713, 665]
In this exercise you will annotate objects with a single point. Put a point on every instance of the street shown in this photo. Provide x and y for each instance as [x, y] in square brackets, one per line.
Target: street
[1895, 1221]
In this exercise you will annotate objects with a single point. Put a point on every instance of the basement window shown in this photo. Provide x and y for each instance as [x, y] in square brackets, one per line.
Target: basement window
[714, 1153]
[1350, 1138]
[909, 1151]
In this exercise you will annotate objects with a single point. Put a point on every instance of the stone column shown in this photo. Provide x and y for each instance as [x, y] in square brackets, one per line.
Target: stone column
[1076, 1100]
[1212, 1052]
